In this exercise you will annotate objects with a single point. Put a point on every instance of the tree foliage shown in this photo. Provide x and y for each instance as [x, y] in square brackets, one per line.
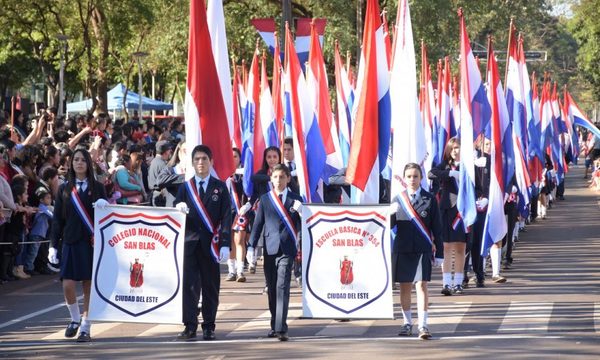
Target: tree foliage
[103, 35]
[586, 30]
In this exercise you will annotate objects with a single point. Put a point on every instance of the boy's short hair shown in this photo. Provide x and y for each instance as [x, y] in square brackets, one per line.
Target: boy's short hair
[282, 167]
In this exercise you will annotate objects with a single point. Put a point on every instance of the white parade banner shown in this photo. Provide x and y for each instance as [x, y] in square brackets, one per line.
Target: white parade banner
[138, 264]
[346, 262]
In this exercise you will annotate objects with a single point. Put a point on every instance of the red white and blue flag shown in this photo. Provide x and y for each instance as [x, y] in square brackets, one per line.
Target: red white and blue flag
[428, 111]
[205, 114]
[473, 103]
[345, 102]
[495, 226]
[303, 31]
[446, 128]
[266, 28]
[578, 117]
[318, 88]
[371, 135]
[253, 113]
[309, 151]
[268, 124]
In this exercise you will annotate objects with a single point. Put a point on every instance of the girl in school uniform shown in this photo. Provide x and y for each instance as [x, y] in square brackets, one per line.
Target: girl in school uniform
[418, 243]
[73, 224]
[446, 177]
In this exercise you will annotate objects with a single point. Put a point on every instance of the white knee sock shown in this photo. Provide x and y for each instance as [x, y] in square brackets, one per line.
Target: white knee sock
[422, 318]
[85, 325]
[231, 266]
[447, 279]
[239, 267]
[495, 254]
[74, 311]
[458, 278]
[407, 316]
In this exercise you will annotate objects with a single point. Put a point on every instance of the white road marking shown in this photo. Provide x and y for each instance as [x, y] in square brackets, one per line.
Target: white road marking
[260, 325]
[527, 316]
[173, 329]
[444, 318]
[34, 314]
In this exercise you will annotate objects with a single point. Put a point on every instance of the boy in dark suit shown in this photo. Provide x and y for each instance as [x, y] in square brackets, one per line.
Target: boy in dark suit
[278, 217]
[205, 200]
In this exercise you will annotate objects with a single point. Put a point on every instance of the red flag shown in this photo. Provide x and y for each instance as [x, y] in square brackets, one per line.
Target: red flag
[205, 115]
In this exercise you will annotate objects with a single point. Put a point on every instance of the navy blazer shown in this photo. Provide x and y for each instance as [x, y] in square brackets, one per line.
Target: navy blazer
[408, 237]
[217, 202]
[66, 222]
[445, 183]
[276, 234]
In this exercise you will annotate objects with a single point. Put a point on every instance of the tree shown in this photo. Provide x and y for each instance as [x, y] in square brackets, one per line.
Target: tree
[586, 30]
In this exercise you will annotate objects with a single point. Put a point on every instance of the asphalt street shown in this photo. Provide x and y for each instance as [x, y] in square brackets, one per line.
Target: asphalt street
[548, 309]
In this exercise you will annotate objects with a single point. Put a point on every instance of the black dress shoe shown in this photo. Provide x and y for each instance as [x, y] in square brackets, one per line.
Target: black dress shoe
[272, 334]
[84, 337]
[282, 336]
[72, 329]
[208, 334]
[187, 334]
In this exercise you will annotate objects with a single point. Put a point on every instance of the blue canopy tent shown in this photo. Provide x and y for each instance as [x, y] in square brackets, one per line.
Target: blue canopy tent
[115, 102]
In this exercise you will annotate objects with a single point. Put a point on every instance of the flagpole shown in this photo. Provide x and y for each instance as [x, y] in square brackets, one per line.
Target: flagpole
[510, 39]
[12, 116]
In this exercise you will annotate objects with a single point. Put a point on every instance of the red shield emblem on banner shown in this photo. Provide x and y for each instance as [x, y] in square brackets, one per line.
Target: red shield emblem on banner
[347, 267]
[137, 270]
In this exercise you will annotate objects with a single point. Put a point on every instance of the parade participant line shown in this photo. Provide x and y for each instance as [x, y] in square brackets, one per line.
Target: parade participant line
[32, 315]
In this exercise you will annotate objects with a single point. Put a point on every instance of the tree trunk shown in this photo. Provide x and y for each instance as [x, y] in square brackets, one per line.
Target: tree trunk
[102, 39]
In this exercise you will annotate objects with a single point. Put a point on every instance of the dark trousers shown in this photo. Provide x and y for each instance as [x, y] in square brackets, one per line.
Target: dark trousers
[533, 207]
[200, 273]
[510, 209]
[278, 271]
[560, 189]
[477, 238]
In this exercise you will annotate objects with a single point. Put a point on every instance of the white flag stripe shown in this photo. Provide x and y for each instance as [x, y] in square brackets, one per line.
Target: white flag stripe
[527, 316]
[353, 328]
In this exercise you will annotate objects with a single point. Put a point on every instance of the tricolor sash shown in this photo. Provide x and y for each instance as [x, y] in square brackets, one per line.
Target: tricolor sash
[201, 210]
[457, 220]
[415, 218]
[285, 217]
[81, 211]
[240, 221]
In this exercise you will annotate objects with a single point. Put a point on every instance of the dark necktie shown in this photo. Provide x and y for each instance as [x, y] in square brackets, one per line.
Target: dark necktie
[413, 198]
[280, 198]
[201, 189]
[80, 186]
[291, 166]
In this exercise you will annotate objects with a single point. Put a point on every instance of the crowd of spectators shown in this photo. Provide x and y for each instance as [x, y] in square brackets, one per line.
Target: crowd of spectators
[137, 161]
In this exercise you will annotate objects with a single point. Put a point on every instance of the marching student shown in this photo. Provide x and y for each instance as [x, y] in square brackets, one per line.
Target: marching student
[240, 220]
[73, 222]
[418, 243]
[261, 185]
[206, 202]
[482, 191]
[455, 238]
[278, 215]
